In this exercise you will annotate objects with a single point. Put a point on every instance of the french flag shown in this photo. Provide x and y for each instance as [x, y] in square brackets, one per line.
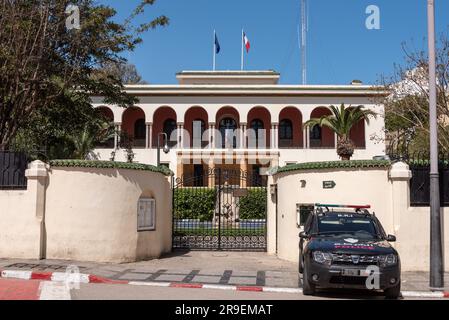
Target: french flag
[246, 42]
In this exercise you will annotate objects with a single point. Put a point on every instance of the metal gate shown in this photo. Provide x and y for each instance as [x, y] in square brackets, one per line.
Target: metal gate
[220, 210]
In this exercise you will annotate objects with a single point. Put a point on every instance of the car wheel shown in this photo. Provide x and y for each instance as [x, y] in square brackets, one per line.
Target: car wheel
[308, 289]
[301, 263]
[393, 292]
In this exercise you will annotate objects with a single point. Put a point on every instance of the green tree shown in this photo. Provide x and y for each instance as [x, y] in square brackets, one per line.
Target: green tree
[407, 105]
[341, 122]
[46, 68]
[126, 72]
[86, 140]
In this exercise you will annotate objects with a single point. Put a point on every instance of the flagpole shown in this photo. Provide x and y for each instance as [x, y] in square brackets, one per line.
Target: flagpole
[241, 64]
[215, 50]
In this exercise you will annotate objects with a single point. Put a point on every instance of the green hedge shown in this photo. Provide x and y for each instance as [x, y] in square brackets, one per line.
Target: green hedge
[253, 206]
[191, 203]
[110, 164]
[336, 165]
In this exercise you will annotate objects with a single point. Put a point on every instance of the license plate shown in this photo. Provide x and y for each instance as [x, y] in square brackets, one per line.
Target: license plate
[351, 272]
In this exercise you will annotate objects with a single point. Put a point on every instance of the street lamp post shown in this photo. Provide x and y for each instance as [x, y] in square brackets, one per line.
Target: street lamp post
[436, 247]
[166, 148]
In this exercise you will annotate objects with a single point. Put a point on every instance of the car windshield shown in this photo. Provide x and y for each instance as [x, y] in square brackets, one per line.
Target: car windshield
[342, 225]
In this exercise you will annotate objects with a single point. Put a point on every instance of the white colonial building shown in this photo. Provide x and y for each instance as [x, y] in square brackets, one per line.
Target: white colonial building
[246, 121]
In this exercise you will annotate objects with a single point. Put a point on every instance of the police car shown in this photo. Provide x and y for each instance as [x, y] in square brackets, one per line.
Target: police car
[345, 246]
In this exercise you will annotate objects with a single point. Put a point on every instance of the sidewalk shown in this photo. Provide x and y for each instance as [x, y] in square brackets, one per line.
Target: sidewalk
[210, 268]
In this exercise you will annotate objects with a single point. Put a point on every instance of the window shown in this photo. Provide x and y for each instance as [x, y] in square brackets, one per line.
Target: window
[285, 129]
[285, 133]
[198, 129]
[146, 214]
[257, 125]
[139, 129]
[198, 175]
[169, 127]
[227, 128]
[315, 136]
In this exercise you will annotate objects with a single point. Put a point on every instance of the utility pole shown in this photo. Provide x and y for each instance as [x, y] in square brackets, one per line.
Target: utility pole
[436, 246]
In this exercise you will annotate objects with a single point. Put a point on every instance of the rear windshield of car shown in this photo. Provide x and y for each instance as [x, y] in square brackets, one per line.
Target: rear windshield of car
[343, 225]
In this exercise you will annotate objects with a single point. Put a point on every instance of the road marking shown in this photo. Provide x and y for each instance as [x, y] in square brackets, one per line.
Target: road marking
[282, 290]
[50, 290]
[151, 284]
[423, 294]
[16, 274]
[219, 287]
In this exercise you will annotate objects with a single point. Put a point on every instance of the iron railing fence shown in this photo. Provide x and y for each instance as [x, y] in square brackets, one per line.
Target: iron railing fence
[419, 163]
[12, 170]
[13, 165]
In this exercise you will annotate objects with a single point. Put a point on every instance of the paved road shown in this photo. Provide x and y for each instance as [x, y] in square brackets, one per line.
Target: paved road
[206, 267]
[46, 290]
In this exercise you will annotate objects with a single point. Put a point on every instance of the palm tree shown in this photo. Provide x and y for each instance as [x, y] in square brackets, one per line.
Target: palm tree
[87, 139]
[341, 121]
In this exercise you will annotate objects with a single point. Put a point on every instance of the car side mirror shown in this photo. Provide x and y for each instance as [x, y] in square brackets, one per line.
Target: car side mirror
[303, 235]
[391, 238]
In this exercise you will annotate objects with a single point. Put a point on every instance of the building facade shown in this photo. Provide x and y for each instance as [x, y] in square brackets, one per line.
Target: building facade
[238, 120]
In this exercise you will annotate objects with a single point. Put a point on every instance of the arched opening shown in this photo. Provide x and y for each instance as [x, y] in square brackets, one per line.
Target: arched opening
[290, 133]
[357, 134]
[259, 125]
[321, 137]
[165, 120]
[108, 116]
[258, 134]
[227, 122]
[227, 129]
[195, 123]
[133, 128]
[169, 128]
[139, 129]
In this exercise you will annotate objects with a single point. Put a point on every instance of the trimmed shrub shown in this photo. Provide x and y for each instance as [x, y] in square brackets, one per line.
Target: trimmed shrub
[336, 165]
[253, 206]
[190, 203]
[110, 164]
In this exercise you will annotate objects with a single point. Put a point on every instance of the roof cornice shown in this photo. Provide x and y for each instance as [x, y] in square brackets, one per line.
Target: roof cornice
[256, 90]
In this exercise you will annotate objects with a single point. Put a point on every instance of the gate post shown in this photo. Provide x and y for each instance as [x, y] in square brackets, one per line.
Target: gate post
[271, 217]
[400, 176]
[219, 208]
[37, 174]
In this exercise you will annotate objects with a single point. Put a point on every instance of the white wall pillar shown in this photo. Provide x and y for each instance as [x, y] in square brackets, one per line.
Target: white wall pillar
[400, 176]
[149, 135]
[180, 135]
[37, 174]
[212, 142]
[117, 135]
[306, 141]
[242, 143]
[275, 145]
[272, 136]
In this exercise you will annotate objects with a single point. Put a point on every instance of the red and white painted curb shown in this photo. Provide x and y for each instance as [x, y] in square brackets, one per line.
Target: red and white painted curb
[88, 278]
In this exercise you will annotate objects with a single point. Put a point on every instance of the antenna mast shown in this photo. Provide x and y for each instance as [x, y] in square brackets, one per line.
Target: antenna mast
[304, 29]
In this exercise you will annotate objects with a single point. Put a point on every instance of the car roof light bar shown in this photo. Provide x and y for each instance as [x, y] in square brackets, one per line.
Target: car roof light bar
[352, 206]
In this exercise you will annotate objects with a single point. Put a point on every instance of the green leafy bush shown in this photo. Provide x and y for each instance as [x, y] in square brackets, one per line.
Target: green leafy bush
[253, 206]
[191, 203]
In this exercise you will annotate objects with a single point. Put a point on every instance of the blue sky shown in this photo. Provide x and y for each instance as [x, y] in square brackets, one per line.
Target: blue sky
[340, 48]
